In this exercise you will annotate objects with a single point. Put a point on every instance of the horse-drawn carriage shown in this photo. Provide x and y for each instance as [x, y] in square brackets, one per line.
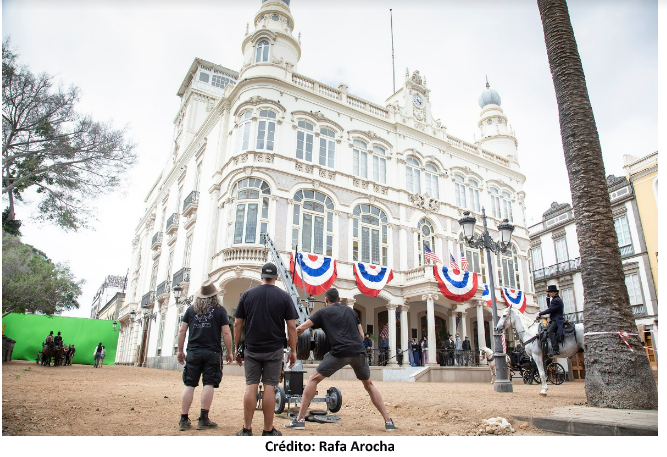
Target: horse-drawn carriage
[521, 366]
[51, 354]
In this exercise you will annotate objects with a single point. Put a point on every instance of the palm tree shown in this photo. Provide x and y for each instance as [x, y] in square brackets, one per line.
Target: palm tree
[616, 377]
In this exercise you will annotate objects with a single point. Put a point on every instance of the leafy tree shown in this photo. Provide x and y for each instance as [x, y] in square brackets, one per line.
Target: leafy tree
[12, 227]
[66, 157]
[32, 283]
[616, 377]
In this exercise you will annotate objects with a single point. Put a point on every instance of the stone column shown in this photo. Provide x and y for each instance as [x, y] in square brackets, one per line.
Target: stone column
[464, 330]
[481, 340]
[430, 323]
[452, 323]
[404, 332]
[350, 302]
[391, 316]
[403, 240]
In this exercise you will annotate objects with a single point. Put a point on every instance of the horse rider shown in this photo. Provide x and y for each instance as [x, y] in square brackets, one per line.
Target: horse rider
[49, 339]
[58, 340]
[555, 309]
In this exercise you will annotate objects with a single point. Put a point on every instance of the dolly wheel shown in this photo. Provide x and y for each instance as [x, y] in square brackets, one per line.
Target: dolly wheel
[335, 400]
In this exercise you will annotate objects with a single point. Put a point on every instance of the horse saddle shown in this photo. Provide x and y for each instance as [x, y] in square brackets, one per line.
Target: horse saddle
[568, 329]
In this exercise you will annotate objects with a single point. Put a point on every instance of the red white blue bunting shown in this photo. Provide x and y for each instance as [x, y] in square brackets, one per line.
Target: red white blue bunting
[371, 278]
[457, 287]
[318, 272]
[487, 295]
[514, 298]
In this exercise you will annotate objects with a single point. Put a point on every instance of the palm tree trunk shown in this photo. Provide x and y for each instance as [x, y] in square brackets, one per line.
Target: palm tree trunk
[616, 377]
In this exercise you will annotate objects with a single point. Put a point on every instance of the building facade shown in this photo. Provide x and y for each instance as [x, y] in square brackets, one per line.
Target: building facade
[269, 150]
[554, 258]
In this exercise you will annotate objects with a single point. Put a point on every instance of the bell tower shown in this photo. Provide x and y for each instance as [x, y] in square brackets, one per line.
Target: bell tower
[271, 49]
[496, 134]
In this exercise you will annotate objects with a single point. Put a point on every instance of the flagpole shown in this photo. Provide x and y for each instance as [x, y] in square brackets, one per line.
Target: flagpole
[393, 68]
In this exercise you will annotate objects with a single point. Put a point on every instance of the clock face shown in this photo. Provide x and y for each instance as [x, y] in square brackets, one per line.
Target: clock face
[417, 100]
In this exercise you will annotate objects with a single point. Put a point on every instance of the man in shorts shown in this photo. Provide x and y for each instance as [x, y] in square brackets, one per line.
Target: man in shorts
[342, 327]
[265, 310]
[206, 319]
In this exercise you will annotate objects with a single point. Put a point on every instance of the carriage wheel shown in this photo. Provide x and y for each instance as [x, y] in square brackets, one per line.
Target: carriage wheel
[555, 373]
[526, 376]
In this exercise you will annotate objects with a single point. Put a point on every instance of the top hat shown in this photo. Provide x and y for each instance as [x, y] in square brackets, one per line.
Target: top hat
[552, 288]
[208, 289]
[269, 270]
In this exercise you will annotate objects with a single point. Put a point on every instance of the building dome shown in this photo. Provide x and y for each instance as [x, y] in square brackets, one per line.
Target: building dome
[489, 97]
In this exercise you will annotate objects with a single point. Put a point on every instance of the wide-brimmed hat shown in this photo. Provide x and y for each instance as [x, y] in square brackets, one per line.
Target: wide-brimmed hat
[552, 288]
[208, 289]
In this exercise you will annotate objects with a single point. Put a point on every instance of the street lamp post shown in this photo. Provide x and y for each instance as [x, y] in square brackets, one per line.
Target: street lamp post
[502, 383]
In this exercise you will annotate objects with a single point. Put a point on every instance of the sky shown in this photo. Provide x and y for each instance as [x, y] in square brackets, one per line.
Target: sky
[129, 58]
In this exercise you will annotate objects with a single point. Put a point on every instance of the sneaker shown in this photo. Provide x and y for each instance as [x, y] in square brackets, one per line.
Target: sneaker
[205, 423]
[273, 432]
[244, 432]
[389, 426]
[184, 424]
[296, 424]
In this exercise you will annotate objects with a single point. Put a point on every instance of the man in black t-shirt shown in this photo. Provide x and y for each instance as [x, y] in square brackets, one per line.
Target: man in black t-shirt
[208, 323]
[341, 325]
[266, 310]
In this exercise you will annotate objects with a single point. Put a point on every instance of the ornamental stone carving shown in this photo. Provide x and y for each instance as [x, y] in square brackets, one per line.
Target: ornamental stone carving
[135, 242]
[425, 202]
[430, 297]
[150, 222]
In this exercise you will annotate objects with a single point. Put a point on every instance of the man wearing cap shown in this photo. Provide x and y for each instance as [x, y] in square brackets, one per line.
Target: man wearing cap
[206, 319]
[265, 310]
[466, 350]
[555, 309]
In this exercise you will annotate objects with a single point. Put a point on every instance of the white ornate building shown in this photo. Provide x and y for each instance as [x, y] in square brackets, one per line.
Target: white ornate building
[270, 150]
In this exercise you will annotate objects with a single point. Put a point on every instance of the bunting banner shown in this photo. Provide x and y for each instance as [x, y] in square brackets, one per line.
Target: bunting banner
[318, 272]
[372, 278]
[457, 287]
[487, 295]
[514, 298]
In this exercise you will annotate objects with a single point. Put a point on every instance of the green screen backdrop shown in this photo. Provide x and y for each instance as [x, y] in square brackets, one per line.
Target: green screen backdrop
[30, 331]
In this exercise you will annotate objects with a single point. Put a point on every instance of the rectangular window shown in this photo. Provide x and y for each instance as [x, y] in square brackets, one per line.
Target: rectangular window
[251, 223]
[154, 277]
[622, 231]
[265, 134]
[355, 162]
[238, 229]
[365, 245]
[460, 193]
[170, 263]
[363, 164]
[542, 301]
[295, 237]
[568, 301]
[474, 199]
[265, 208]
[561, 250]
[306, 239]
[355, 251]
[536, 255]
[203, 76]
[304, 146]
[188, 251]
[318, 235]
[243, 140]
[495, 206]
[409, 180]
[375, 238]
[329, 245]
[327, 152]
[634, 290]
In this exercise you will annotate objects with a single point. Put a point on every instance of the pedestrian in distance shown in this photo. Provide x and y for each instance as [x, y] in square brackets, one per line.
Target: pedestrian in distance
[458, 346]
[466, 350]
[102, 355]
[97, 354]
[415, 353]
[208, 324]
[424, 345]
[265, 310]
[368, 344]
[342, 327]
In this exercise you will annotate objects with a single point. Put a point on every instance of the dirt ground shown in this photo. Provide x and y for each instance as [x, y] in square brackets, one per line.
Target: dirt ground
[122, 400]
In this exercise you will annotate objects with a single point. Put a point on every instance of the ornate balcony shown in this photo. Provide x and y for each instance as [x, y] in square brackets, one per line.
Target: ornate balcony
[558, 269]
[148, 300]
[172, 224]
[181, 276]
[575, 318]
[639, 310]
[190, 203]
[157, 241]
[163, 290]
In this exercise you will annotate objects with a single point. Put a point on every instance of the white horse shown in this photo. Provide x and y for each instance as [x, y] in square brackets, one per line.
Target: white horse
[527, 332]
[488, 355]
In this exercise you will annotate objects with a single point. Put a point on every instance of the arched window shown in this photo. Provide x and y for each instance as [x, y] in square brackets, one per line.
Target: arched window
[250, 215]
[262, 52]
[508, 269]
[460, 191]
[507, 206]
[425, 237]
[431, 178]
[475, 258]
[359, 159]
[412, 178]
[243, 134]
[312, 222]
[379, 165]
[304, 141]
[369, 235]
[495, 202]
[266, 130]
[327, 147]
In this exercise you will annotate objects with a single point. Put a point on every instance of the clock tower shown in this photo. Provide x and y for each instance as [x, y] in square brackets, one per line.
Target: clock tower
[411, 103]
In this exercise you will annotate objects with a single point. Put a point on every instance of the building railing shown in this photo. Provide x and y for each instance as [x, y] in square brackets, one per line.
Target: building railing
[181, 276]
[557, 269]
[148, 299]
[172, 223]
[575, 318]
[192, 200]
[627, 250]
[454, 358]
[157, 240]
[416, 274]
[639, 310]
[163, 288]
